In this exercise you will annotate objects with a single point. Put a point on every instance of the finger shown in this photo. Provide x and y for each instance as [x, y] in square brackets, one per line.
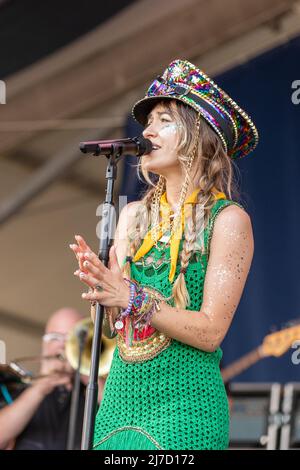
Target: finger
[89, 280]
[93, 258]
[61, 381]
[79, 255]
[81, 261]
[61, 374]
[91, 269]
[76, 249]
[82, 243]
[93, 295]
[57, 375]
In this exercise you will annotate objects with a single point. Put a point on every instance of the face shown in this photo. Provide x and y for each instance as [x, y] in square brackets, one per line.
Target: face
[54, 341]
[162, 130]
[54, 344]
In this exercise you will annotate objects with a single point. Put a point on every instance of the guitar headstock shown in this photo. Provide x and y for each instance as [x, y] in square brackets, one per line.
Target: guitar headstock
[276, 344]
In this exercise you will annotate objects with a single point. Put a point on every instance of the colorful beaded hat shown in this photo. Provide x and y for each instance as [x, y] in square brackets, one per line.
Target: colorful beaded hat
[183, 81]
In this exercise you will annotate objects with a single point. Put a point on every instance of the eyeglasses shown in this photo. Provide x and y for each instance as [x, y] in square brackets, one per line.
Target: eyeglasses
[48, 337]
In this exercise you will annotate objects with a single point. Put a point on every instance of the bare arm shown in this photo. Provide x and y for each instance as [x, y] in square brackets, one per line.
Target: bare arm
[229, 263]
[231, 254]
[15, 417]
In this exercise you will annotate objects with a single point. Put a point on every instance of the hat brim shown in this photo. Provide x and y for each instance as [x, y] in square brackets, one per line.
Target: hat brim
[142, 108]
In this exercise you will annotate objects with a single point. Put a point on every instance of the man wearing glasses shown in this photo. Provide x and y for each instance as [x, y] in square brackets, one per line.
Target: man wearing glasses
[38, 418]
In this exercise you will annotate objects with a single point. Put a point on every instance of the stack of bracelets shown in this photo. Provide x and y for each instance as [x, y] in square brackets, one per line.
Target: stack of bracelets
[139, 312]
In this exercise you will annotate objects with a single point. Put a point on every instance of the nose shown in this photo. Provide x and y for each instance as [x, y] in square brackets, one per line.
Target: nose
[150, 131]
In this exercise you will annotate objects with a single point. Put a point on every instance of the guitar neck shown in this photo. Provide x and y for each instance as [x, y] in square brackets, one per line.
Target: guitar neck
[242, 364]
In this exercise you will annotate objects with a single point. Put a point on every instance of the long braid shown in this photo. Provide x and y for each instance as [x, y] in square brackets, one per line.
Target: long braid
[200, 218]
[179, 290]
[155, 205]
[140, 224]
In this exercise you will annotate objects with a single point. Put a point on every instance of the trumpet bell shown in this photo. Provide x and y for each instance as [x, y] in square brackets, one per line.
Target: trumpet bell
[72, 349]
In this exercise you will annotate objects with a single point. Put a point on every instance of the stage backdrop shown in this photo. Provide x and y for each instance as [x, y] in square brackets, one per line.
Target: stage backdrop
[270, 191]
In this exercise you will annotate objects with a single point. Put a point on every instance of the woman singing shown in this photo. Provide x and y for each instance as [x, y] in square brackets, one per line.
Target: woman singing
[177, 270]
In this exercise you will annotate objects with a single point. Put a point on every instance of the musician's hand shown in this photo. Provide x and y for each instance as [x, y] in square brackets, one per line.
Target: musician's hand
[45, 385]
[93, 273]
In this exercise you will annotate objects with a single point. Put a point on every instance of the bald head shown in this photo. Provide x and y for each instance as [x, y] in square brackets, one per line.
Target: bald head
[63, 320]
[57, 329]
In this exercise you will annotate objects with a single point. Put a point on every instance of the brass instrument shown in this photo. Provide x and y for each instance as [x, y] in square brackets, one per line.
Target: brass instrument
[71, 349]
[16, 368]
[16, 371]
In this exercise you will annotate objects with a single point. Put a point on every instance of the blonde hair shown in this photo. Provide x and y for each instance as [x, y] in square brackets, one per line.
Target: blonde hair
[212, 168]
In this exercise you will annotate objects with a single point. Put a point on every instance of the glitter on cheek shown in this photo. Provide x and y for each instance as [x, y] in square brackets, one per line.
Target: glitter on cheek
[169, 129]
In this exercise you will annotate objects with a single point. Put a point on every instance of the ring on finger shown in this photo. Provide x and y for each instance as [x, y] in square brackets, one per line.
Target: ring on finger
[99, 288]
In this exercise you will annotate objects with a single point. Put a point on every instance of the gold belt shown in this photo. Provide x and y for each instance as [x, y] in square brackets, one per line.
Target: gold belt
[143, 350]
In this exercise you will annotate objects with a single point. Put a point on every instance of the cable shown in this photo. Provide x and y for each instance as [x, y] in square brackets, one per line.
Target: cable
[6, 395]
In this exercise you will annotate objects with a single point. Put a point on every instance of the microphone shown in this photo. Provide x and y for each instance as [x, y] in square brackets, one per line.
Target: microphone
[137, 146]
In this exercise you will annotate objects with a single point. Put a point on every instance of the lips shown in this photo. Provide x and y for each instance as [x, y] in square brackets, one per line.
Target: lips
[155, 147]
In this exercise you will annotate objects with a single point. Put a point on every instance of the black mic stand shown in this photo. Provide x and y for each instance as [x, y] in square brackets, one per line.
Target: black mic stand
[106, 230]
[81, 336]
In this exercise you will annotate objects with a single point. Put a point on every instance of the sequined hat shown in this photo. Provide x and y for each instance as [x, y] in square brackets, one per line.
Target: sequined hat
[183, 81]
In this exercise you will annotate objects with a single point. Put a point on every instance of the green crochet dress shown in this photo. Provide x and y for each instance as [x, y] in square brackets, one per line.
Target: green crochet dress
[176, 400]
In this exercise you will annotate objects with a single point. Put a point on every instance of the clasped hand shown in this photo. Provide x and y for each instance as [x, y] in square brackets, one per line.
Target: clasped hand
[93, 272]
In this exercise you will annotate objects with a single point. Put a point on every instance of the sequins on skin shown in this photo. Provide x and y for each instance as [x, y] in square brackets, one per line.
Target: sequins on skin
[231, 256]
[228, 267]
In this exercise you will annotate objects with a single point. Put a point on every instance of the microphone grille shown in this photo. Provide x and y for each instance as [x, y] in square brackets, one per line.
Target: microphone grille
[145, 146]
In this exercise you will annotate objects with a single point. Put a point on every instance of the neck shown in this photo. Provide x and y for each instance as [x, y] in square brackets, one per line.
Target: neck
[173, 191]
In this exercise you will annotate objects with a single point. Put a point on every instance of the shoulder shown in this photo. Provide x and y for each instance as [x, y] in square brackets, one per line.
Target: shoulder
[233, 215]
[130, 212]
[232, 224]
[132, 207]
[126, 227]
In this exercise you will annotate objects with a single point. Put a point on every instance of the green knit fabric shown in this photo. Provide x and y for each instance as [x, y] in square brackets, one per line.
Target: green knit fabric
[177, 400]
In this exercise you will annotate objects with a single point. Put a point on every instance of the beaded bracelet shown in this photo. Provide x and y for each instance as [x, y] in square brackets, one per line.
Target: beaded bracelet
[146, 305]
[139, 324]
[139, 302]
[141, 308]
[150, 307]
[124, 313]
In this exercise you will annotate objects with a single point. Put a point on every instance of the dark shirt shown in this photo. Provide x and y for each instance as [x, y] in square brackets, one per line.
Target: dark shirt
[48, 428]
